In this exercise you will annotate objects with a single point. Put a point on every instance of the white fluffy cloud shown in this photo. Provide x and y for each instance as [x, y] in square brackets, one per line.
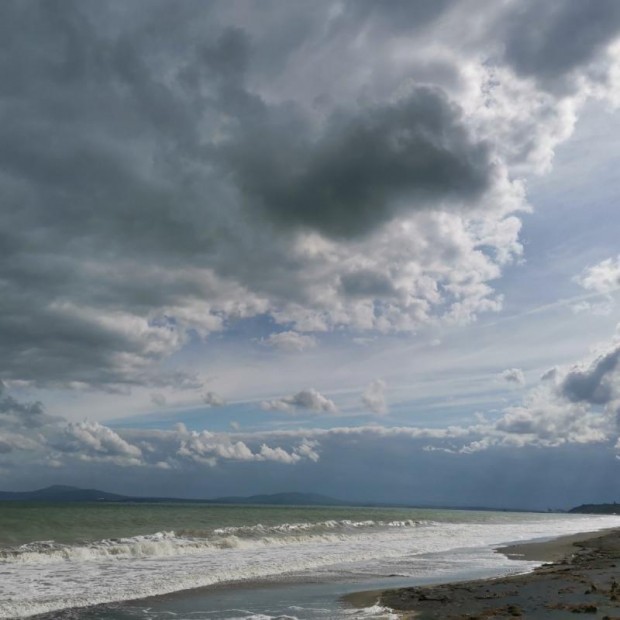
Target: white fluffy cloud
[604, 277]
[94, 441]
[29, 436]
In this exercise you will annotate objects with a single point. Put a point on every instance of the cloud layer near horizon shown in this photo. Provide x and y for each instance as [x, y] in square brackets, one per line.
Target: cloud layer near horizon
[576, 405]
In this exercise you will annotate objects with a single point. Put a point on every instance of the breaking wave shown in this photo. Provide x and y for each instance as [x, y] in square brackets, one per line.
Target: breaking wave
[185, 542]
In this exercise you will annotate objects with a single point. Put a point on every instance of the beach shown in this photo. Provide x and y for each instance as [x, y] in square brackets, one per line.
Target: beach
[580, 576]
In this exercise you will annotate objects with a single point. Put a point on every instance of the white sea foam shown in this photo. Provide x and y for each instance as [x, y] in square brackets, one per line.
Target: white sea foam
[342, 524]
[166, 544]
[44, 576]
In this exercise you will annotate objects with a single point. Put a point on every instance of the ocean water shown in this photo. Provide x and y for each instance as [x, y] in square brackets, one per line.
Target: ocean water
[199, 562]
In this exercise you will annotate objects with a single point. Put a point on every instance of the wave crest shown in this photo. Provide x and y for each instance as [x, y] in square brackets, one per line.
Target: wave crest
[184, 542]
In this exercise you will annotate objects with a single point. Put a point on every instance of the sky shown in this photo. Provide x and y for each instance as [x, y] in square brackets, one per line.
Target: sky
[362, 248]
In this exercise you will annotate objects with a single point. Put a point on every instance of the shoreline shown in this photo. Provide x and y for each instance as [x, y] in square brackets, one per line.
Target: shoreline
[578, 576]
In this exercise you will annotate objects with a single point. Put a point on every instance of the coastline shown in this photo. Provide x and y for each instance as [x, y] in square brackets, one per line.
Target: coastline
[579, 576]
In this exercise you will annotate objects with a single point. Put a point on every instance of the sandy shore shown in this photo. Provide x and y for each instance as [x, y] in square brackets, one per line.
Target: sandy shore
[582, 579]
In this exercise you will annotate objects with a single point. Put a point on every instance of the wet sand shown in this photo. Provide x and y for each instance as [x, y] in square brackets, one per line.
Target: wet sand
[583, 578]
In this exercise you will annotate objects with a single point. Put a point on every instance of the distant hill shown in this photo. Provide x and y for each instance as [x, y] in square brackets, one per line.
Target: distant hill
[598, 509]
[59, 493]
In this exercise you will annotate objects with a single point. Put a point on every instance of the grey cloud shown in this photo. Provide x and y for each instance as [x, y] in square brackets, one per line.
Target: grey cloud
[18, 414]
[365, 168]
[366, 283]
[310, 400]
[513, 375]
[212, 399]
[548, 40]
[550, 374]
[594, 383]
[374, 397]
[159, 399]
[5, 446]
[398, 15]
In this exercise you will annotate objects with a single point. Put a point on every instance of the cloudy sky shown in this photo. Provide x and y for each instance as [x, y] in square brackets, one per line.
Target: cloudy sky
[363, 248]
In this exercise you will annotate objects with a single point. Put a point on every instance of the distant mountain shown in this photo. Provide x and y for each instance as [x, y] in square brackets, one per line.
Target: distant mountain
[598, 509]
[59, 493]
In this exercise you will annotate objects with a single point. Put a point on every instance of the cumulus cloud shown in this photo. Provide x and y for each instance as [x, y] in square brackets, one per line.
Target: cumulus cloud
[604, 277]
[574, 405]
[513, 375]
[29, 436]
[309, 400]
[177, 448]
[577, 404]
[161, 181]
[594, 382]
[94, 441]
[374, 397]
[290, 341]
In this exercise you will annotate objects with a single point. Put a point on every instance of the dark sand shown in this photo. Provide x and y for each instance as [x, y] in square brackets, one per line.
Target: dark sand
[581, 580]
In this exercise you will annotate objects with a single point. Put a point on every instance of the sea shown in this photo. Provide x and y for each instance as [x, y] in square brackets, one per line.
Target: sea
[208, 562]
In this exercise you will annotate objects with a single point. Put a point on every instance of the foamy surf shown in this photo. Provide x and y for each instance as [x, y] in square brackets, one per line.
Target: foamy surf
[46, 576]
[166, 544]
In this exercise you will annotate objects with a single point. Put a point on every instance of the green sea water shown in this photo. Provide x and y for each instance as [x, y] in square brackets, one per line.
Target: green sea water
[24, 522]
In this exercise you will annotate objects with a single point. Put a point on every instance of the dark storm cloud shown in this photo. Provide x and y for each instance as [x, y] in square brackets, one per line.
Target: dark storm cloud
[365, 167]
[547, 40]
